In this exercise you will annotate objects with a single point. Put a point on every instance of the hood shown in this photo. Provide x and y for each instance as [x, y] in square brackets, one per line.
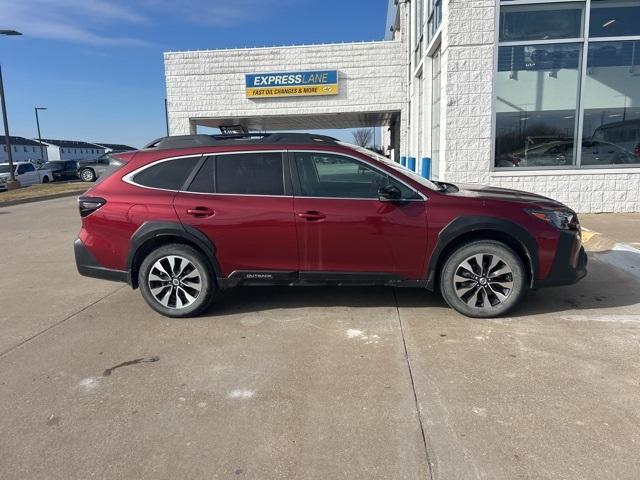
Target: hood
[486, 192]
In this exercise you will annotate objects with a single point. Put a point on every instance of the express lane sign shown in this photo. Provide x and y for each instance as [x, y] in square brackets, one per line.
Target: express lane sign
[292, 84]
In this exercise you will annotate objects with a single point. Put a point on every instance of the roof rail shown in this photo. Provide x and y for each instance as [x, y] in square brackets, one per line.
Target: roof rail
[190, 141]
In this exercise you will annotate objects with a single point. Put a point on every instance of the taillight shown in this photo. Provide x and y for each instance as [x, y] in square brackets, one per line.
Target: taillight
[88, 205]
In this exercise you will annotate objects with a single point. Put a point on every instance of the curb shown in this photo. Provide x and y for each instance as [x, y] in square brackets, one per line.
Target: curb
[53, 196]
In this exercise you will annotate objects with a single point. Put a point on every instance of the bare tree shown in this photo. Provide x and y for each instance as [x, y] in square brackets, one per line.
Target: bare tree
[362, 137]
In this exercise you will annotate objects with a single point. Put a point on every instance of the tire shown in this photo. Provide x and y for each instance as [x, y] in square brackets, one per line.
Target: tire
[165, 291]
[45, 179]
[87, 175]
[479, 263]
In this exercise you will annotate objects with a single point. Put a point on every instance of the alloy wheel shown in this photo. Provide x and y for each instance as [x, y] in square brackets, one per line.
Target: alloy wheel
[483, 281]
[174, 282]
[87, 175]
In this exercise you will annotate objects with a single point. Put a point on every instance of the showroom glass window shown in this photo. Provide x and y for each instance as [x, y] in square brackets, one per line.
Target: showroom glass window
[435, 18]
[566, 71]
[418, 26]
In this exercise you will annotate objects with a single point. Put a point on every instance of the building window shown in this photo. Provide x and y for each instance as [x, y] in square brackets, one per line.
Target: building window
[536, 103]
[418, 31]
[554, 86]
[541, 22]
[611, 125]
[610, 18]
[435, 18]
[435, 114]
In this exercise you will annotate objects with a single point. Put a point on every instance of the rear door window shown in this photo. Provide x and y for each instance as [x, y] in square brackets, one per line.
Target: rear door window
[168, 174]
[250, 174]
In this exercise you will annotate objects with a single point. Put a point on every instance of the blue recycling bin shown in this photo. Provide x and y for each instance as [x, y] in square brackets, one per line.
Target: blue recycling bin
[403, 161]
[411, 163]
[425, 168]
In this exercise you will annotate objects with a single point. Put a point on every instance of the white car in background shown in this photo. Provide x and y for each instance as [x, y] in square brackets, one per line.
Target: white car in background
[26, 173]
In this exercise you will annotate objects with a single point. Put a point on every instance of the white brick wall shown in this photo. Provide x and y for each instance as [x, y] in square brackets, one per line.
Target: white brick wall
[468, 67]
[211, 84]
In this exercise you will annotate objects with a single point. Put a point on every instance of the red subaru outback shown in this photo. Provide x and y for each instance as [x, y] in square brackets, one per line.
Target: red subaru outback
[187, 216]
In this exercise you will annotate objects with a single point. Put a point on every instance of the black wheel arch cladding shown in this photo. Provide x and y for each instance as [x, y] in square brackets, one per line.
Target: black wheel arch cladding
[464, 226]
[152, 232]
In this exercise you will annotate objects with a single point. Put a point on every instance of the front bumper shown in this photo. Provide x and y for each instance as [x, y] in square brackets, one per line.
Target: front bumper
[89, 266]
[570, 263]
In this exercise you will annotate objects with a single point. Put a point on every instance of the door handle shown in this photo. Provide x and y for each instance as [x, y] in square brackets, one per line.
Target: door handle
[311, 216]
[201, 212]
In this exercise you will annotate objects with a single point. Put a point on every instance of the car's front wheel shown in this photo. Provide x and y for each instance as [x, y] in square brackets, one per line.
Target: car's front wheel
[483, 279]
[87, 175]
[176, 281]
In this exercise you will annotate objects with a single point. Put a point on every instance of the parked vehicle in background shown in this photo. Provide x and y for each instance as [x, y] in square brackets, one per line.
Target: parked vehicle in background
[187, 216]
[625, 134]
[26, 173]
[90, 170]
[599, 152]
[560, 152]
[62, 170]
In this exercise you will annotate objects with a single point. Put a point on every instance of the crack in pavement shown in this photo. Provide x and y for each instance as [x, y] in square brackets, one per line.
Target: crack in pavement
[59, 322]
[430, 466]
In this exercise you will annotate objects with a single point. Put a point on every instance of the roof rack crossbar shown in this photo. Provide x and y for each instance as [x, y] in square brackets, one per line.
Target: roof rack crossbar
[191, 141]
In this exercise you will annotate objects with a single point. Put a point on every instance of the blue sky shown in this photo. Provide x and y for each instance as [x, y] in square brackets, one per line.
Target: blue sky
[97, 64]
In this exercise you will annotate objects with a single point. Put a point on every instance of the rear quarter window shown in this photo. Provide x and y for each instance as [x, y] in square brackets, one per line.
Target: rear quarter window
[168, 174]
[114, 164]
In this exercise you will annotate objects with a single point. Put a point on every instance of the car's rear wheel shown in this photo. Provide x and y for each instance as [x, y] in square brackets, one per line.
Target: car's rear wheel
[176, 280]
[45, 179]
[483, 279]
[87, 175]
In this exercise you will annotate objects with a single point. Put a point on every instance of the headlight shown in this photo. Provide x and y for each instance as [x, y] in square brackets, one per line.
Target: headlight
[560, 219]
[3, 180]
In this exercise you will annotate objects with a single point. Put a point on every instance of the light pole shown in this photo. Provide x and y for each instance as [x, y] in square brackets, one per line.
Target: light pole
[12, 183]
[39, 136]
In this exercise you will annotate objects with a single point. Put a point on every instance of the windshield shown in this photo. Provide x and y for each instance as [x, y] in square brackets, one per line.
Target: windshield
[396, 166]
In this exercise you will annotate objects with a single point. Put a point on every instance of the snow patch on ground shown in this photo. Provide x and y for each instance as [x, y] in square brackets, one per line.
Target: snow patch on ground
[88, 384]
[241, 394]
[353, 333]
[368, 339]
[603, 318]
[623, 257]
[481, 412]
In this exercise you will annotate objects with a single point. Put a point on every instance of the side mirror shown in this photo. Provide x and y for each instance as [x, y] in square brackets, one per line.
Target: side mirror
[389, 193]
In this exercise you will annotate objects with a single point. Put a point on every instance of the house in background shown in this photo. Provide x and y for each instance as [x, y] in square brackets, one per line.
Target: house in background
[23, 150]
[114, 147]
[72, 149]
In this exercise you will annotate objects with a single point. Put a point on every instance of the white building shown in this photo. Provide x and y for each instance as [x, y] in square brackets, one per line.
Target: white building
[114, 147]
[487, 91]
[23, 150]
[72, 150]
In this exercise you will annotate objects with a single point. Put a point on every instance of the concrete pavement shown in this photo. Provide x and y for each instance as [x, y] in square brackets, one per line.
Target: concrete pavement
[307, 382]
